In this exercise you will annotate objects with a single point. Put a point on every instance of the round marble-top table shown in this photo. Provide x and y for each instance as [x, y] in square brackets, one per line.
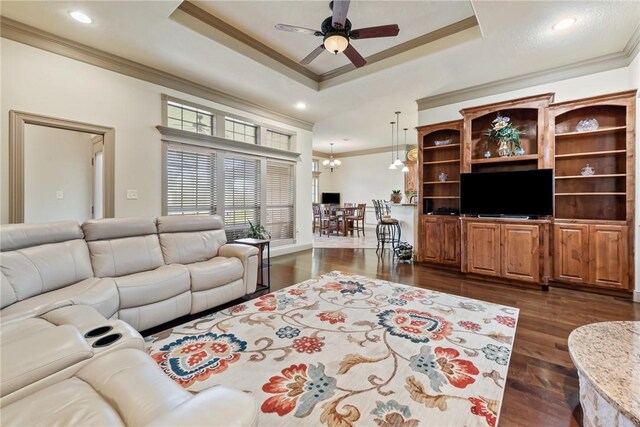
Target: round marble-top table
[607, 356]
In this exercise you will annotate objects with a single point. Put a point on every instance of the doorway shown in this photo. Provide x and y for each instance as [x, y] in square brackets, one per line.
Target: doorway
[59, 169]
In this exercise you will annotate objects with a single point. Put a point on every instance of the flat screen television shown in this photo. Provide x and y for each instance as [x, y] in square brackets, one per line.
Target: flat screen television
[331, 198]
[513, 193]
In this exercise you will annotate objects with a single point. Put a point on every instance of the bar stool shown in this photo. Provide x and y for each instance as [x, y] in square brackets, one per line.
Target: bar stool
[388, 229]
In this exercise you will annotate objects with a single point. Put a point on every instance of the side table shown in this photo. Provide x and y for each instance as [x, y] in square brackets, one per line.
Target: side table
[261, 244]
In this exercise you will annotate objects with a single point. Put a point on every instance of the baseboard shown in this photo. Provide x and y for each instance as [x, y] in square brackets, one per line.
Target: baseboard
[289, 249]
[636, 296]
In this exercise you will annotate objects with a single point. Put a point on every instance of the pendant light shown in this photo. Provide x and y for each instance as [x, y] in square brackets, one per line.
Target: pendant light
[331, 163]
[398, 162]
[405, 169]
[392, 166]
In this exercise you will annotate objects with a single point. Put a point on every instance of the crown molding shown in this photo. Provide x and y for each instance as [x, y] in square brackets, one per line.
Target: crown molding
[203, 22]
[366, 152]
[321, 154]
[31, 36]
[582, 68]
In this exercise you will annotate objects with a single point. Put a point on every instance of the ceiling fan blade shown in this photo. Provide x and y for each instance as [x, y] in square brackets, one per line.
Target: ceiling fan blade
[373, 32]
[340, 9]
[354, 56]
[313, 55]
[294, 29]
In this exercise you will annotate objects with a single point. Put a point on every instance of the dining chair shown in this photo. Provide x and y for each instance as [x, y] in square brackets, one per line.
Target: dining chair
[356, 221]
[388, 228]
[316, 215]
[328, 221]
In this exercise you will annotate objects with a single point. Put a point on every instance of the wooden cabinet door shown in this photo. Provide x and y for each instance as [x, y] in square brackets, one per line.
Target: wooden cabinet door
[483, 248]
[429, 239]
[571, 253]
[521, 252]
[608, 256]
[450, 241]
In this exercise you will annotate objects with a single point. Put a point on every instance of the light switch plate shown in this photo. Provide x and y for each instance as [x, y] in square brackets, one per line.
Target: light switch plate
[59, 194]
[132, 194]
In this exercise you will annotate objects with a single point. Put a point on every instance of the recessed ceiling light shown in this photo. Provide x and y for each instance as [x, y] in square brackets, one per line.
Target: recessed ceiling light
[301, 105]
[564, 24]
[80, 17]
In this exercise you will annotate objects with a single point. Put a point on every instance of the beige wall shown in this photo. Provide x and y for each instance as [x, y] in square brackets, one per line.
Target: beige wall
[580, 87]
[57, 160]
[40, 82]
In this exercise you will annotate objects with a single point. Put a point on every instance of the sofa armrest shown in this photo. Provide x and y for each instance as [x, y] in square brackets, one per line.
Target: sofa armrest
[217, 406]
[248, 255]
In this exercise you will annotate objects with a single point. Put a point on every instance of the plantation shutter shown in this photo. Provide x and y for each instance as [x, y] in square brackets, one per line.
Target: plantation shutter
[190, 181]
[280, 200]
[241, 195]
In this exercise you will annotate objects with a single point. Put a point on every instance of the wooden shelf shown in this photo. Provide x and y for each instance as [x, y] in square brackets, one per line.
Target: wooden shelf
[524, 158]
[610, 175]
[441, 197]
[441, 182]
[592, 194]
[590, 154]
[442, 161]
[591, 132]
[438, 147]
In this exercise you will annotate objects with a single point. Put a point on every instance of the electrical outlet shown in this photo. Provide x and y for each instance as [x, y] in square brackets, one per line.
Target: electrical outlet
[59, 194]
[132, 194]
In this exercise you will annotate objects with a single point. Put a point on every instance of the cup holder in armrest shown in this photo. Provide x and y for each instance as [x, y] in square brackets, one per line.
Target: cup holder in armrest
[105, 341]
[98, 331]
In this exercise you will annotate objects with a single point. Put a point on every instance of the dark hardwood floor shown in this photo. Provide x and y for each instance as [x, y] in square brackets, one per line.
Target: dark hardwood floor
[542, 386]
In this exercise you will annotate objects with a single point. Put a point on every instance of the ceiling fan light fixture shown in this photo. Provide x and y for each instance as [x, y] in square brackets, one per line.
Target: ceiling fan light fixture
[336, 43]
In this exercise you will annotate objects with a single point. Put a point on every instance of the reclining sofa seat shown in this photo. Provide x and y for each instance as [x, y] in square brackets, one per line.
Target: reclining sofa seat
[44, 266]
[128, 250]
[219, 272]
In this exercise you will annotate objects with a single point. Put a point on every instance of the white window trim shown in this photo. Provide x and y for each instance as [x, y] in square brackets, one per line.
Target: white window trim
[219, 122]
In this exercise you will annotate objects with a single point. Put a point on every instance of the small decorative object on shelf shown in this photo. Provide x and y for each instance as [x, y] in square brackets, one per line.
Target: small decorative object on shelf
[586, 125]
[519, 151]
[411, 194]
[487, 154]
[506, 135]
[404, 252]
[438, 143]
[588, 170]
[443, 177]
[258, 232]
[396, 196]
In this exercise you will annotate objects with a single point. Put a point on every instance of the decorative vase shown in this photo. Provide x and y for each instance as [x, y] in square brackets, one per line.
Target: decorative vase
[395, 198]
[504, 149]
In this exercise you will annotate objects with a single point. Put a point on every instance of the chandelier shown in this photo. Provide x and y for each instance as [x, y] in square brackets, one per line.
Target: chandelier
[331, 163]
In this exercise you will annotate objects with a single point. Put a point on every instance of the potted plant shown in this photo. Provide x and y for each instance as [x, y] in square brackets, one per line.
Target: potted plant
[410, 195]
[506, 135]
[258, 232]
[396, 196]
[404, 251]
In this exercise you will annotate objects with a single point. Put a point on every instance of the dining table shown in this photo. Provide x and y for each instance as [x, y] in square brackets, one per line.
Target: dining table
[343, 212]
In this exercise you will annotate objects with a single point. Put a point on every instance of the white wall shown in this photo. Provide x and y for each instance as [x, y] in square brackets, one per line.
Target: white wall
[40, 82]
[616, 80]
[57, 160]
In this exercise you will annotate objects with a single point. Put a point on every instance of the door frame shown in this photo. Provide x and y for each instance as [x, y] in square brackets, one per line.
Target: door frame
[17, 122]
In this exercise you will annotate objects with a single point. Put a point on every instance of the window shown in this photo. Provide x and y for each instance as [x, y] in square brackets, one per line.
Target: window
[190, 180]
[241, 131]
[280, 198]
[242, 195]
[315, 189]
[279, 140]
[315, 165]
[189, 118]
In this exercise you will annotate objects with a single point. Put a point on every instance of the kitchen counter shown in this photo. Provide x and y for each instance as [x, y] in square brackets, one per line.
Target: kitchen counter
[407, 214]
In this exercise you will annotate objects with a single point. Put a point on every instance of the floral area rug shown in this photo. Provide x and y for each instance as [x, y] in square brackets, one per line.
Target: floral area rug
[343, 350]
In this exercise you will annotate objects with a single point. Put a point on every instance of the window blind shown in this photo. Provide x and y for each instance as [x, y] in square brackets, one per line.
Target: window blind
[280, 200]
[241, 195]
[190, 181]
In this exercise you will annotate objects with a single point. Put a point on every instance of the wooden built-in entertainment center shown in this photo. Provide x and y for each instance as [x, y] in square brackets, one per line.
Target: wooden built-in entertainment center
[588, 242]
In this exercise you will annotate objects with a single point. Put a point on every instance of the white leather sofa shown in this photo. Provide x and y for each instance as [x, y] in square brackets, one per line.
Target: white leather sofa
[145, 271]
[73, 300]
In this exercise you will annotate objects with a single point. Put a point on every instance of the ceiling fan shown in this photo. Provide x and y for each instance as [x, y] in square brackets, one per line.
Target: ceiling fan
[337, 34]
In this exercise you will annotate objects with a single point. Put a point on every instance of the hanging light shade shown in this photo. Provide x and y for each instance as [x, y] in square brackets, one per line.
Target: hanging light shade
[397, 162]
[331, 163]
[405, 169]
[392, 166]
